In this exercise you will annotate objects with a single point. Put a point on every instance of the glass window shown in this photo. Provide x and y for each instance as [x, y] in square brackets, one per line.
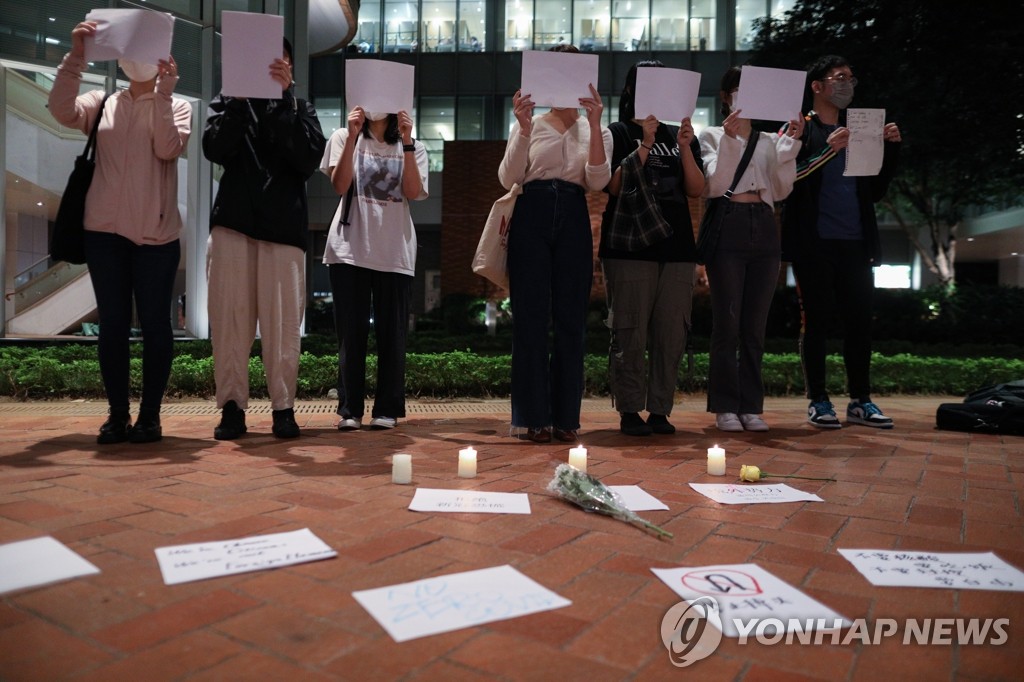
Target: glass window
[435, 123]
[701, 118]
[472, 33]
[368, 37]
[331, 114]
[518, 25]
[593, 25]
[702, 25]
[400, 20]
[747, 11]
[551, 23]
[438, 28]
[470, 120]
[667, 26]
[630, 25]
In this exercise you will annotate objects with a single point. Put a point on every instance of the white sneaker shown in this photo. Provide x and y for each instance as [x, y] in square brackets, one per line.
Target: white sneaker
[383, 423]
[728, 421]
[349, 424]
[753, 422]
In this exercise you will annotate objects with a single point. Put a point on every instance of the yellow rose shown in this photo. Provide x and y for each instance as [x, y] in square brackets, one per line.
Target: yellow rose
[750, 473]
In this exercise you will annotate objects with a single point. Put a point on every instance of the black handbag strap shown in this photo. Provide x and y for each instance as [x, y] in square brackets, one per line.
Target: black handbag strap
[90, 145]
[744, 162]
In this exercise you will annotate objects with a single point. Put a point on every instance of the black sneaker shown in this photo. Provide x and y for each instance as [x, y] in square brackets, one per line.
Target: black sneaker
[116, 428]
[284, 424]
[232, 422]
[632, 425]
[659, 424]
[147, 428]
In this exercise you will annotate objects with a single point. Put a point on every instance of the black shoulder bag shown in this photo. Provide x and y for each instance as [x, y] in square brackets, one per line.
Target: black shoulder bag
[715, 209]
[67, 243]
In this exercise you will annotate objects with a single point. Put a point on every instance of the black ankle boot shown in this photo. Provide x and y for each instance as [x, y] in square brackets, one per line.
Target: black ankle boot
[116, 428]
[284, 424]
[232, 422]
[147, 428]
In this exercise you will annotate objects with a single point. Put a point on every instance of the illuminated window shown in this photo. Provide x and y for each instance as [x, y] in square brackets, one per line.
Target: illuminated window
[892, 277]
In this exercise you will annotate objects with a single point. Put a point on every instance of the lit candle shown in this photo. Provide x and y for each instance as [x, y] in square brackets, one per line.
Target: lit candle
[716, 461]
[578, 458]
[401, 469]
[467, 463]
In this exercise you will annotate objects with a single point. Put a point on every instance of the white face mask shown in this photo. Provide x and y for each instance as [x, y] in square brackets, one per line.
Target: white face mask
[376, 115]
[137, 71]
[732, 101]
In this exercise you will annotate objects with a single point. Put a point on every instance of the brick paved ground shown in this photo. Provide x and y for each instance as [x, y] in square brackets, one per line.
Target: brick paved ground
[909, 488]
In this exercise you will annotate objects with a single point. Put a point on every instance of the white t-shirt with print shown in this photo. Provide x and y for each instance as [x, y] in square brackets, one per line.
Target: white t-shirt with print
[380, 234]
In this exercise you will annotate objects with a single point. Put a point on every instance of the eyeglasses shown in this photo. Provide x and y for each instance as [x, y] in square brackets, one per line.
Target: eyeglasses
[842, 78]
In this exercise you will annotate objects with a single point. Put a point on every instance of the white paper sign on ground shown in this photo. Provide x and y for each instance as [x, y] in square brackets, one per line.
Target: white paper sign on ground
[558, 79]
[136, 34]
[669, 94]
[249, 44]
[954, 570]
[29, 563]
[378, 85]
[452, 602]
[435, 500]
[867, 146]
[770, 94]
[747, 593]
[636, 498]
[202, 560]
[739, 493]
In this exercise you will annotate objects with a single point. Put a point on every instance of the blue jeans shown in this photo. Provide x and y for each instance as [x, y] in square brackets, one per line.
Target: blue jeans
[742, 275]
[120, 270]
[551, 267]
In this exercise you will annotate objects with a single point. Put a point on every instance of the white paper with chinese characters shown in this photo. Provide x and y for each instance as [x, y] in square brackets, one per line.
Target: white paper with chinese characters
[478, 501]
[39, 561]
[202, 560]
[740, 493]
[866, 147]
[747, 592]
[455, 601]
[951, 570]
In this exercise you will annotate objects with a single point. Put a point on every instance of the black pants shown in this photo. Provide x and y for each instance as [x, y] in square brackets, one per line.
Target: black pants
[839, 280]
[121, 269]
[358, 292]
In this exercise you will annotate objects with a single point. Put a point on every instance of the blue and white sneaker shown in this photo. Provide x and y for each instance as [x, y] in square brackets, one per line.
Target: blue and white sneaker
[822, 415]
[867, 414]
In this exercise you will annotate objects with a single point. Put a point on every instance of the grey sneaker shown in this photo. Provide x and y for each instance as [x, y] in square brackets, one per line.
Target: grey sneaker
[383, 423]
[822, 415]
[728, 421]
[350, 424]
[753, 422]
[867, 414]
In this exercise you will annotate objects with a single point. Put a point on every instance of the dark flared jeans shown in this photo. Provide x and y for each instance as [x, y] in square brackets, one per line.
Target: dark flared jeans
[551, 267]
[120, 271]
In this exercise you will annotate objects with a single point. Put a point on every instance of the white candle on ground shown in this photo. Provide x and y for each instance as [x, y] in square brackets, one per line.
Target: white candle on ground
[716, 461]
[578, 458]
[401, 469]
[467, 463]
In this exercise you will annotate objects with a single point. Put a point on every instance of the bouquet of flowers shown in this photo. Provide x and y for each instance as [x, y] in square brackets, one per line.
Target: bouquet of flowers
[586, 491]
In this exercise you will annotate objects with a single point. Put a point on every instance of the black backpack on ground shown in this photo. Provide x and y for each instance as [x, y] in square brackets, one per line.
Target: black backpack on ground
[993, 409]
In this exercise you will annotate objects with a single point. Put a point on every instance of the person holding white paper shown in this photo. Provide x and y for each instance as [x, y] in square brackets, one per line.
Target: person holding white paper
[830, 234]
[258, 234]
[378, 168]
[743, 271]
[556, 158]
[131, 222]
[650, 291]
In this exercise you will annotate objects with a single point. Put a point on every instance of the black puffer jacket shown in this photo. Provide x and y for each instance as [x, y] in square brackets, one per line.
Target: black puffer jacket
[268, 148]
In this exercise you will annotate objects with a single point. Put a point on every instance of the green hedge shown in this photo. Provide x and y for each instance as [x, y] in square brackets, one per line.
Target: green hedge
[73, 371]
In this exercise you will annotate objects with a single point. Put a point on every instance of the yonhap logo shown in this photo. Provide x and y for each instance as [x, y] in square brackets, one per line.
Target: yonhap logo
[691, 631]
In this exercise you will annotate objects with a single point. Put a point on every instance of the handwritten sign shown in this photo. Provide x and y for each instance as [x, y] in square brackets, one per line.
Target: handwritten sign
[747, 593]
[867, 147]
[39, 561]
[737, 493]
[185, 563]
[636, 498]
[434, 500]
[954, 570]
[459, 600]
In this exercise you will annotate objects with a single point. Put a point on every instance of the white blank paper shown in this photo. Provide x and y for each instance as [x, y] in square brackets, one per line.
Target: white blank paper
[669, 94]
[136, 34]
[770, 94]
[250, 43]
[558, 79]
[636, 498]
[39, 561]
[377, 85]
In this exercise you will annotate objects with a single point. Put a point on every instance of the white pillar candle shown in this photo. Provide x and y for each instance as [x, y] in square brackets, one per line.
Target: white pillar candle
[716, 461]
[578, 458]
[401, 469]
[467, 463]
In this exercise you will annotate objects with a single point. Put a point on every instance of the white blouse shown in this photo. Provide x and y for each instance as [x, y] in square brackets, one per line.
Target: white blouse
[771, 172]
[547, 154]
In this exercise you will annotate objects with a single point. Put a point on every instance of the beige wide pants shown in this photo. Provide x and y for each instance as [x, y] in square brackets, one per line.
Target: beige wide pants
[250, 282]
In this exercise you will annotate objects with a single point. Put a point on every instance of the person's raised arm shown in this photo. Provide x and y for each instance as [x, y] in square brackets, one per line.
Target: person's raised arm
[412, 182]
[693, 175]
[342, 171]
